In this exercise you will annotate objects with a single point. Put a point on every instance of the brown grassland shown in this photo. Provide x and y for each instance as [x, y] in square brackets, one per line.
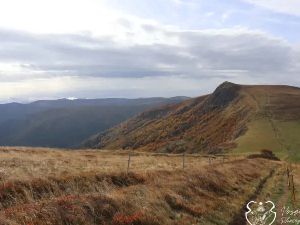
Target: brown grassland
[52, 186]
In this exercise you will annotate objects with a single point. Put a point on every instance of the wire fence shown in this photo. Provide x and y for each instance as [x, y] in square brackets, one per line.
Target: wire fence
[18, 163]
[184, 158]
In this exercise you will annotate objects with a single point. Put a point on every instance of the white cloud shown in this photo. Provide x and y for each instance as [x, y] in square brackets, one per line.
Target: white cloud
[205, 53]
[177, 1]
[80, 65]
[84, 48]
[282, 6]
[93, 17]
[93, 87]
[56, 16]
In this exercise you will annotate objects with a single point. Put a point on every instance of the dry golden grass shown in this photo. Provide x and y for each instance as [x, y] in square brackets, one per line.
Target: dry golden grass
[43, 186]
[27, 163]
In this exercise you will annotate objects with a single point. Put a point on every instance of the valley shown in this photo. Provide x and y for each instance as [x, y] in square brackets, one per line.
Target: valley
[197, 161]
[67, 123]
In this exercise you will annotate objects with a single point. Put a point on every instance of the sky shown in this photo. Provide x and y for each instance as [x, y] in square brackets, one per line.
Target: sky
[52, 49]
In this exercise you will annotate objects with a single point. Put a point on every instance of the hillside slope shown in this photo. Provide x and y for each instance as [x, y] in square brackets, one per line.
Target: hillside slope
[210, 123]
[82, 187]
[66, 123]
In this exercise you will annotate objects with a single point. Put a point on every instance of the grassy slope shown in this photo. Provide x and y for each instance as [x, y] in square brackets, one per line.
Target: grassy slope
[290, 132]
[204, 124]
[215, 123]
[276, 125]
[212, 195]
[260, 135]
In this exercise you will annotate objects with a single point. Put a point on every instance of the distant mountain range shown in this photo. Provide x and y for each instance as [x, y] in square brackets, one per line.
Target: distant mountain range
[66, 123]
[234, 117]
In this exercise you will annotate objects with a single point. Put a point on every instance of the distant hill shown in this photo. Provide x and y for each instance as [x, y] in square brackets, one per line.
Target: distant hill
[66, 123]
[234, 117]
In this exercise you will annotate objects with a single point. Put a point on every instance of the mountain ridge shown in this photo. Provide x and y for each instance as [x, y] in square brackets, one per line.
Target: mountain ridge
[66, 123]
[209, 123]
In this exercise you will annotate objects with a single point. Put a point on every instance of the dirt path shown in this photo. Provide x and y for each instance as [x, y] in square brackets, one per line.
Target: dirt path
[239, 219]
[282, 202]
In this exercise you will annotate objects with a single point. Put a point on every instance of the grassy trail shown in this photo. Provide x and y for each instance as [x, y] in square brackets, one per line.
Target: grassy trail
[239, 219]
[282, 201]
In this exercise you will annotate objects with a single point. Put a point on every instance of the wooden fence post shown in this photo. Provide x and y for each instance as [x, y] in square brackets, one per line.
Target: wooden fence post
[183, 160]
[288, 177]
[129, 159]
[293, 190]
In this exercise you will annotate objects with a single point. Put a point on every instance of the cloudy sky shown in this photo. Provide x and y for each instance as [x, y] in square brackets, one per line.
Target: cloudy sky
[139, 48]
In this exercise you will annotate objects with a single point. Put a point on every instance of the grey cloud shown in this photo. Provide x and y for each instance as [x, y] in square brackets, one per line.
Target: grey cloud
[242, 51]
[151, 28]
[197, 54]
[125, 23]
